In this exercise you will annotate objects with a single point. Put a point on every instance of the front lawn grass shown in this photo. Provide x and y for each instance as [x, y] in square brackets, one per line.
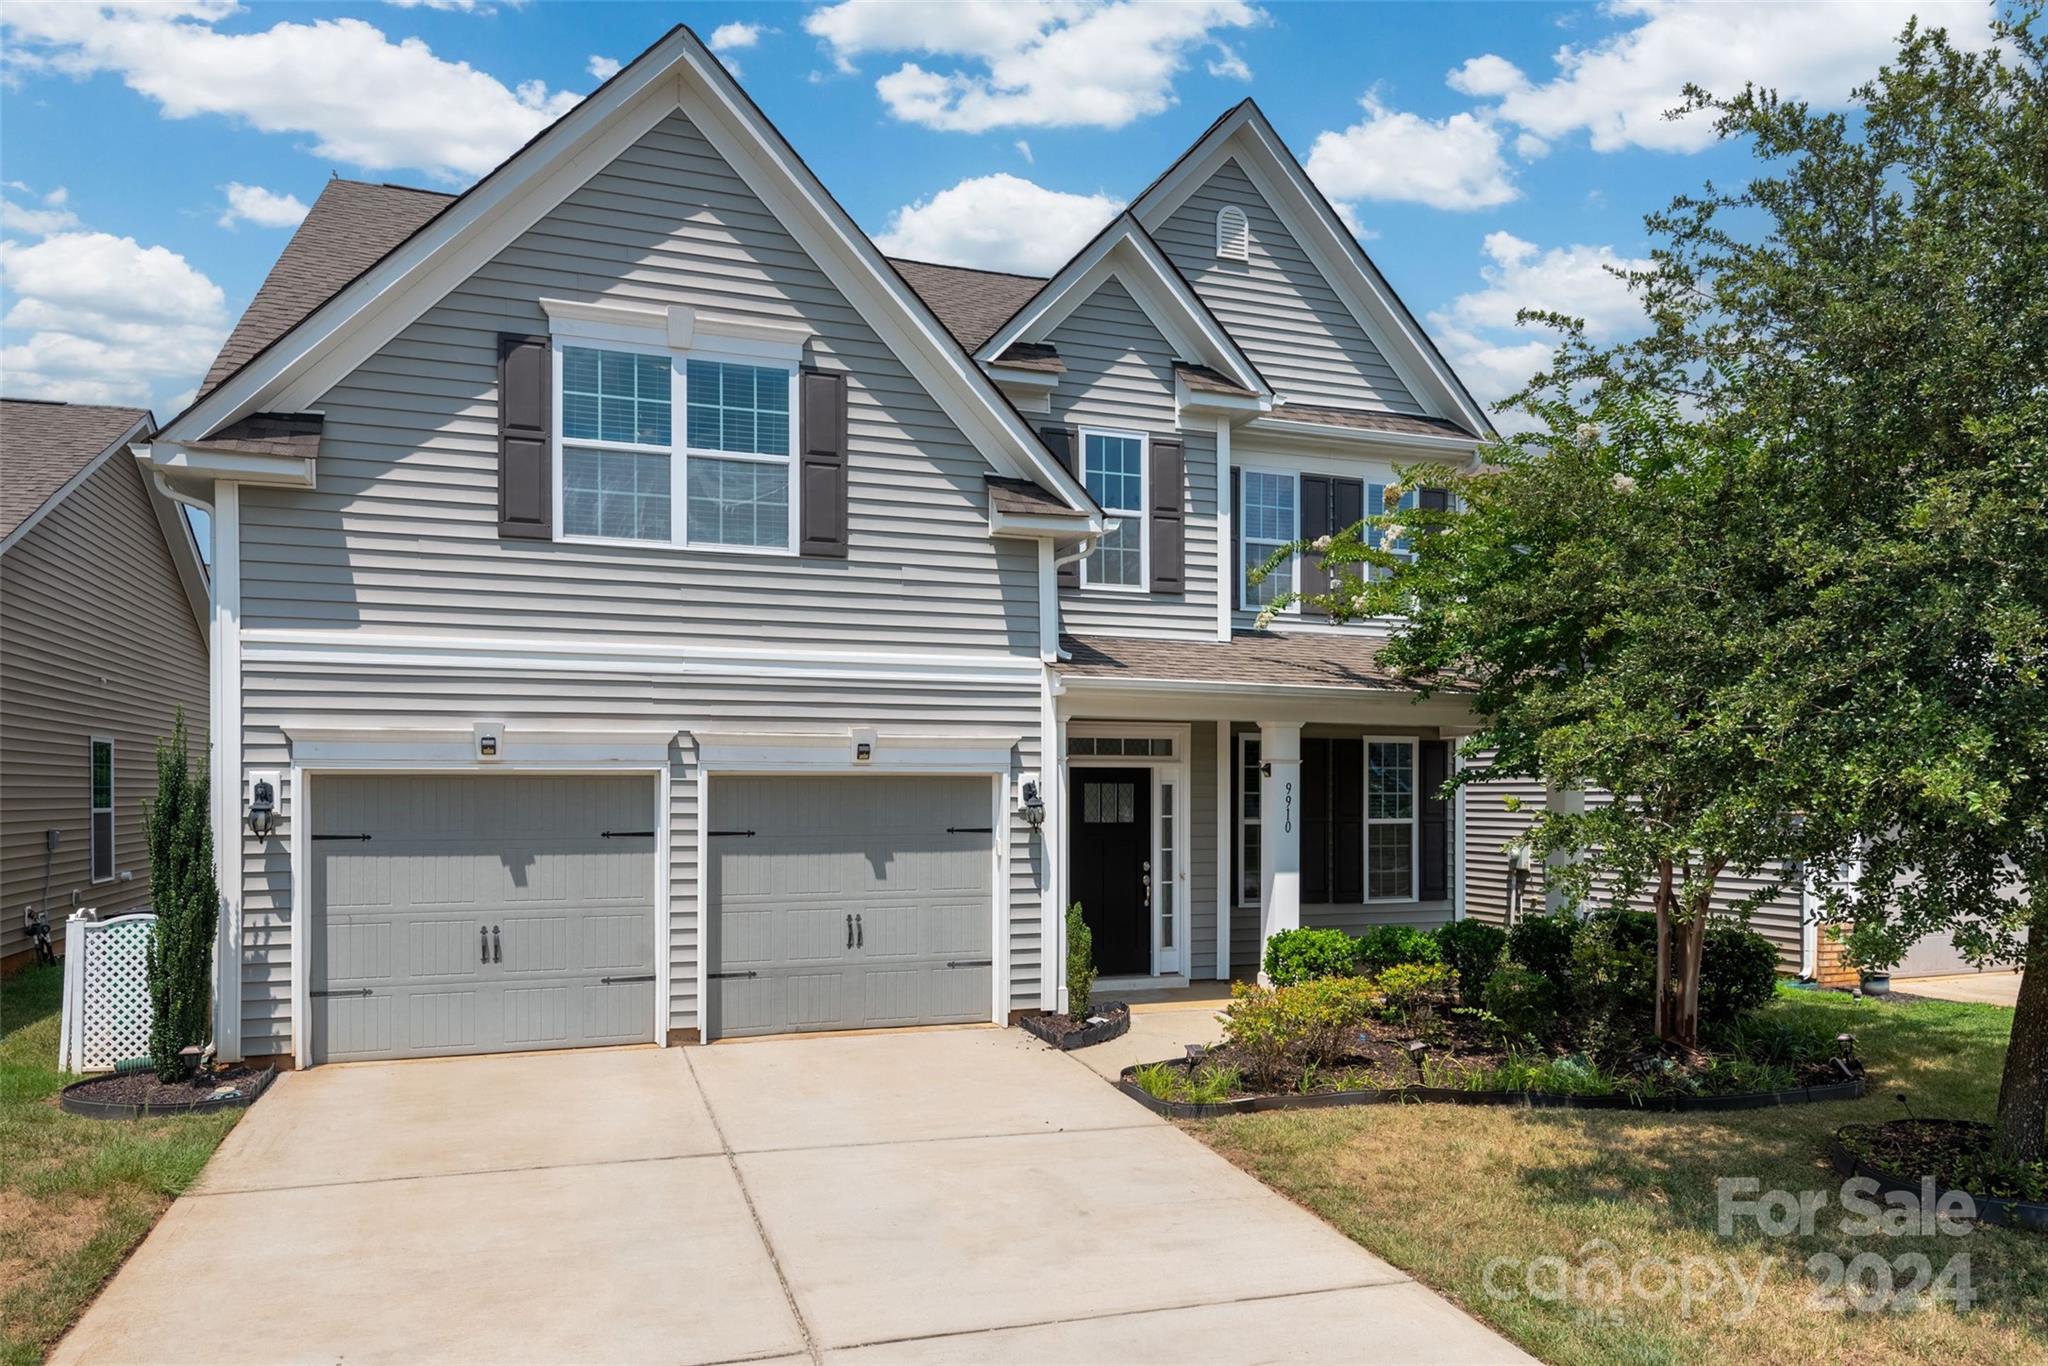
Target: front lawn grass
[75, 1194]
[1443, 1191]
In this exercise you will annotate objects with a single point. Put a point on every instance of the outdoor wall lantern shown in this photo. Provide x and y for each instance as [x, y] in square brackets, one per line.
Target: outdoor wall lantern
[1034, 804]
[262, 809]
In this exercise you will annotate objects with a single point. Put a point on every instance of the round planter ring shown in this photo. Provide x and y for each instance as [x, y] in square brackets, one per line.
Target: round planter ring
[1115, 1024]
[119, 1109]
[2031, 1215]
[1526, 1100]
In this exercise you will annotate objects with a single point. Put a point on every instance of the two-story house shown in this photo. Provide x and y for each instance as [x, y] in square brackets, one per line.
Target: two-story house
[646, 612]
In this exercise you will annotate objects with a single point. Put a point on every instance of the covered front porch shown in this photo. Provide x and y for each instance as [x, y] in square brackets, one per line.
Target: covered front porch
[1212, 794]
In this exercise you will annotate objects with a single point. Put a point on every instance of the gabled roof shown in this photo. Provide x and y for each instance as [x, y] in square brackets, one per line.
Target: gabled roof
[48, 448]
[971, 303]
[1126, 251]
[678, 72]
[1247, 134]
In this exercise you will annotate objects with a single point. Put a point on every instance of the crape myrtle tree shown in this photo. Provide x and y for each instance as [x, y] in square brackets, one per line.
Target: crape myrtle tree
[1605, 588]
[1873, 310]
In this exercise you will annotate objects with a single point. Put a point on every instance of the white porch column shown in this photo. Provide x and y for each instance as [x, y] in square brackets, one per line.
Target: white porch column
[1226, 846]
[1570, 801]
[1279, 829]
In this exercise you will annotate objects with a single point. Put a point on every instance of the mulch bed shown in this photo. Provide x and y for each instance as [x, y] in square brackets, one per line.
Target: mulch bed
[1110, 1020]
[1956, 1153]
[130, 1095]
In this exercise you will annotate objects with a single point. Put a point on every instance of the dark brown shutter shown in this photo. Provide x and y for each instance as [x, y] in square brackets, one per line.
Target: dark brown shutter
[821, 461]
[1347, 504]
[1315, 521]
[1168, 480]
[1347, 822]
[1315, 822]
[1236, 588]
[1065, 445]
[526, 483]
[1433, 771]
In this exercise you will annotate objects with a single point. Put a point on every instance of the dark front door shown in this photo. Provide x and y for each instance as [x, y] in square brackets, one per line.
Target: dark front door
[1112, 868]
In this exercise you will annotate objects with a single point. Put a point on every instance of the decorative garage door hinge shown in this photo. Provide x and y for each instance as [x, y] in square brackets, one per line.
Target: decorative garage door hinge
[352, 991]
[629, 834]
[970, 829]
[618, 981]
[972, 963]
[717, 975]
[744, 834]
[364, 838]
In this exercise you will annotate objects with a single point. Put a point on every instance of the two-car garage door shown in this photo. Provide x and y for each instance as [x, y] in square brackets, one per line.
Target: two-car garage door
[460, 913]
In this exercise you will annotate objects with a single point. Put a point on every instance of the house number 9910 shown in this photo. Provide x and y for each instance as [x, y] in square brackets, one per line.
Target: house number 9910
[1287, 809]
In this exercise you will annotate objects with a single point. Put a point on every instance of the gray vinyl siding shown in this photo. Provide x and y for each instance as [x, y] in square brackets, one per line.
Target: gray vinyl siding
[1489, 826]
[1119, 374]
[401, 534]
[1277, 306]
[278, 697]
[97, 638]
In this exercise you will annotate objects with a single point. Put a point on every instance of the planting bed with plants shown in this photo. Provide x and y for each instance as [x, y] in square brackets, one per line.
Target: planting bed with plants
[1958, 1155]
[1556, 1012]
[1086, 1020]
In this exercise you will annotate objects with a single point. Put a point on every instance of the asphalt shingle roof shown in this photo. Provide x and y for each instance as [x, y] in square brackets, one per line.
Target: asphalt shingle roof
[1324, 659]
[971, 303]
[42, 445]
[1361, 420]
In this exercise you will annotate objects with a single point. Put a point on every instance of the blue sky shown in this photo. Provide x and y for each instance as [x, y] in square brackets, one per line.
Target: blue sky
[1493, 156]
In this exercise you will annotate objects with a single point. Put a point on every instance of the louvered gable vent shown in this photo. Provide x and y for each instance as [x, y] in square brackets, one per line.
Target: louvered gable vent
[1233, 234]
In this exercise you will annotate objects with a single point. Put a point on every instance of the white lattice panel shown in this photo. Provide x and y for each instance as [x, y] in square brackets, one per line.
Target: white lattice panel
[106, 991]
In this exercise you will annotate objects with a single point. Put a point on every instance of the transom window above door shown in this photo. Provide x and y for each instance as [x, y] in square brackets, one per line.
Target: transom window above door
[626, 464]
[1144, 746]
[1113, 467]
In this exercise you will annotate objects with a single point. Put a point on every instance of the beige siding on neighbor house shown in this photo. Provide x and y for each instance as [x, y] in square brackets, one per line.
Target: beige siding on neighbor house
[97, 638]
[1278, 306]
[1119, 375]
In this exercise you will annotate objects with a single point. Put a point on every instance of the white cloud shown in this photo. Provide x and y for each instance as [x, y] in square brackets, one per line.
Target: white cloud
[998, 222]
[734, 36]
[1450, 163]
[1529, 147]
[604, 68]
[1024, 150]
[1227, 65]
[1478, 331]
[52, 217]
[365, 100]
[264, 208]
[97, 318]
[1618, 89]
[1094, 63]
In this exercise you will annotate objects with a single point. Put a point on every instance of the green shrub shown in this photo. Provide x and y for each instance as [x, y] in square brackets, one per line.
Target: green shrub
[1524, 1000]
[1543, 943]
[1412, 992]
[1310, 1024]
[1080, 963]
[1300, 955]
[1473, 950]
[1614, 981]
[1389, 946]
[1738, 973]
[1772, 1040]
[179, 954]
[1207, 1084]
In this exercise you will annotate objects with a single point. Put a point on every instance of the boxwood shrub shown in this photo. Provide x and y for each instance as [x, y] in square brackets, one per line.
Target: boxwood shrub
[1472, 949]
[1303, 955]
[1389, 946]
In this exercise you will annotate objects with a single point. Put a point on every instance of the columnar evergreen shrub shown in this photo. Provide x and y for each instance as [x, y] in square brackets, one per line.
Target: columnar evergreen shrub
[183, 894]
[1080, 963]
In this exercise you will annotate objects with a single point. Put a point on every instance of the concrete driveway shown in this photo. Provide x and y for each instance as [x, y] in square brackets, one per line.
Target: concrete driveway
[909, 1197]
[1976, 988]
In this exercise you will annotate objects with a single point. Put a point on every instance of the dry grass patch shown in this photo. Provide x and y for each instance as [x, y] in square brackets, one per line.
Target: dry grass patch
[1445, 1192]
[76, 1195]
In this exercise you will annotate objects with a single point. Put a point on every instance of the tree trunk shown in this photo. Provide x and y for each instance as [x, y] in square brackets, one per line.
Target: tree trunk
[1661, 903]
[1681, 947]
[2022, 1127]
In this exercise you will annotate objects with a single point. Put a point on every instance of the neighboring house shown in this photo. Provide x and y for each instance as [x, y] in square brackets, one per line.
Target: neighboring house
[652, 614]
[103, 612]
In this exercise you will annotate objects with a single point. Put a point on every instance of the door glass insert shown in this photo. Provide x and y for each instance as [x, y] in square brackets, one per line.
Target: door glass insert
[1162, 895]
[1108, 803]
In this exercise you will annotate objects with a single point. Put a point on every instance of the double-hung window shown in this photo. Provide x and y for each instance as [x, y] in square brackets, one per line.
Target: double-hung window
[1113, 467]
[720, 477]
[102, 814]
[1376, 506]
[1266, 522]
[1390, 808]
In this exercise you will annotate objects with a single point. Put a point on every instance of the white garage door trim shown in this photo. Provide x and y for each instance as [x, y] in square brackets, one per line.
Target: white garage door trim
[298, 801]
[730, 754]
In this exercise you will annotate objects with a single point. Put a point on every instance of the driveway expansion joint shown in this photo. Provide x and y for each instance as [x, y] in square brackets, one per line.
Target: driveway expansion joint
[462, 1172]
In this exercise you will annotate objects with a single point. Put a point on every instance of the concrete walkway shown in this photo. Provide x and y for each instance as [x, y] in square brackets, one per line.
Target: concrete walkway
[909, 1197]
[1976, 988]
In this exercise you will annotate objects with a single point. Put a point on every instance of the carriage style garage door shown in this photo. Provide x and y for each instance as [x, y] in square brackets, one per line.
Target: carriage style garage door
[480, 914]
[849, 902]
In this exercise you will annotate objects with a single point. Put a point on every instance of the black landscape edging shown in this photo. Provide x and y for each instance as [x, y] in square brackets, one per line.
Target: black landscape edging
[1116, 1024]
[1527, 1100]
[121, 1109]
[2031, 1215]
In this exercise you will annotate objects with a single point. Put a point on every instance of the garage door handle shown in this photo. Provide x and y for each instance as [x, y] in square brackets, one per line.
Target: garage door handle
[483, 943]
[860, 933]
[497, 946]
[849, 931]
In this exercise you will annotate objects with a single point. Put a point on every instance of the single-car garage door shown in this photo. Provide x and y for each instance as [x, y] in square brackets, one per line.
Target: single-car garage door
[469, 914]
[849, 902]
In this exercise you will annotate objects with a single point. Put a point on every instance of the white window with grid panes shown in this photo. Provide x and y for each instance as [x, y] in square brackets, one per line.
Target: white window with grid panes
[721, 478]
[1390, 818]
[1267, 521]
[1113, 468]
